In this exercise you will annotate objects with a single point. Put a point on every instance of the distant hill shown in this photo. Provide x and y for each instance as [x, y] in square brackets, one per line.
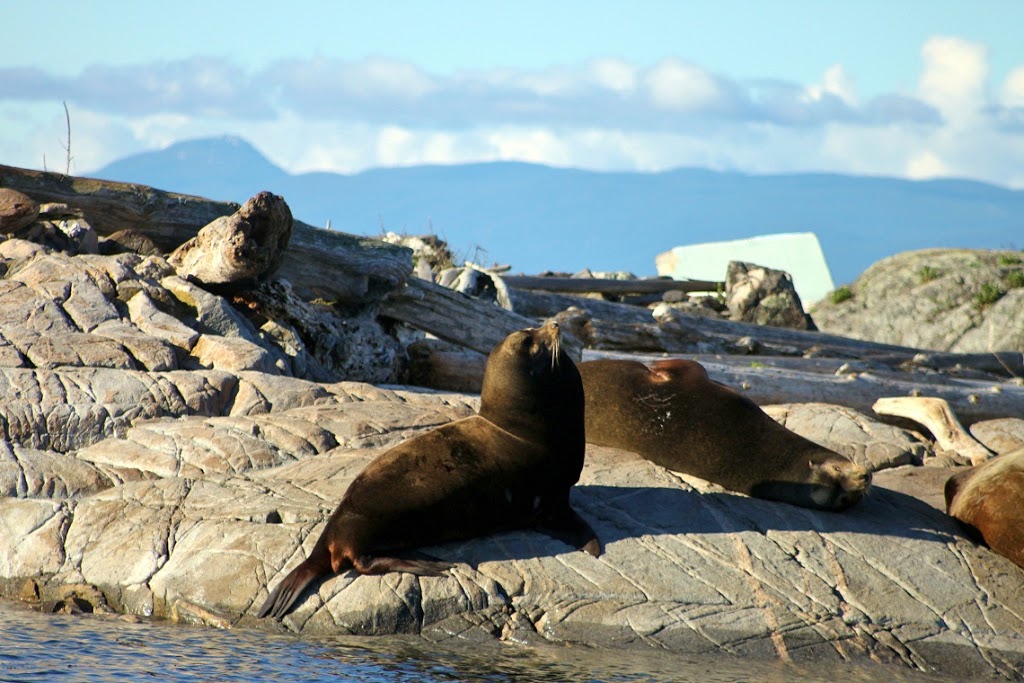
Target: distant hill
[540, 218]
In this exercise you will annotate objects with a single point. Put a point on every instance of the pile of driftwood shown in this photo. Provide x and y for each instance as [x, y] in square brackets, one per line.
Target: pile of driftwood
[357, 275]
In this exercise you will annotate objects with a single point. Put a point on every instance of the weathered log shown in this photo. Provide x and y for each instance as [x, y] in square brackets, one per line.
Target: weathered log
[324, 264]
[243, 248]
[896, 370]
[538, 304]
[336, 266]
[1004, 363]
[452, 316]
[936, 416]
[167, 217]
[973, 401]
[586, 285]
[806, 342]
[616, 326]
[437, 365]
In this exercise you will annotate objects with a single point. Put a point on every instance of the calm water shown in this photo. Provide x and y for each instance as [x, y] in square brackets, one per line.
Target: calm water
[45, 647]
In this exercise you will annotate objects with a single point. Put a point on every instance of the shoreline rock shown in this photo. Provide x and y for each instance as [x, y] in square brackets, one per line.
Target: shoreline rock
[172, 452]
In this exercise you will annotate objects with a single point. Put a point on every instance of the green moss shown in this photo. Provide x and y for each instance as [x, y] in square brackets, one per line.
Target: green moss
[927, 274]
[840, 294]
[756, 364]
[988, 295]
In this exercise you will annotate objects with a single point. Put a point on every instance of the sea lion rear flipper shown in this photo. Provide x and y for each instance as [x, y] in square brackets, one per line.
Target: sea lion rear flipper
[569, 527]
[280, 601]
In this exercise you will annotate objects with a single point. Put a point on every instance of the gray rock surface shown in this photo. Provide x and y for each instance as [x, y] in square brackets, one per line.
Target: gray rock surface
[941, 299]
[1000, 436]
[765, 296]
[126, 311]
[207, 513]
[871, 444]
[177, 489]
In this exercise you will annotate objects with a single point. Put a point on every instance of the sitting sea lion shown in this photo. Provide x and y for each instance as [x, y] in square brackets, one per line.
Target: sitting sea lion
[989, 500]
[672, 414]
[510, 466]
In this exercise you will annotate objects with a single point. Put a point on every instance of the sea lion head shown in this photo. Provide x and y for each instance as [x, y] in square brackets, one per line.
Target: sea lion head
[532, 388]
[836, 483]
[820, 480]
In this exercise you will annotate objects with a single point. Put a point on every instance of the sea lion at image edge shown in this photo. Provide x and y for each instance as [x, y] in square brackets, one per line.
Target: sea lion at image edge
[510, 466]
[674, 415]
[988, 499]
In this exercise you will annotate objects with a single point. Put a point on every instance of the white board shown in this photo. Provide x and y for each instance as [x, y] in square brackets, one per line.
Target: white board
[797, 253]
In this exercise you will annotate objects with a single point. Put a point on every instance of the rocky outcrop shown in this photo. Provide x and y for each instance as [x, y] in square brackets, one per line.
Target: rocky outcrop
[942, 299]
[174, 452]
[185, 484]
[200, 515]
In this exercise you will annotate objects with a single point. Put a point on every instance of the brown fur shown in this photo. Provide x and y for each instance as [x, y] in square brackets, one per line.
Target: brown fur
[672, 414]
[989, 500]
[510, 466]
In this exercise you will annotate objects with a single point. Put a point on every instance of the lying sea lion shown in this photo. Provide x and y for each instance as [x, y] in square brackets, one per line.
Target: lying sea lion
[989, 500]
[510, 466]
[672, 414]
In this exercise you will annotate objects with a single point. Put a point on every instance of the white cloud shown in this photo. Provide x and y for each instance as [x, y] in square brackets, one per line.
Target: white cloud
[1013, 88]
[615, 75]
[605, 114]
[534, 145]
[954, 77]
[678, 86]
[837, 82]
[926, 165]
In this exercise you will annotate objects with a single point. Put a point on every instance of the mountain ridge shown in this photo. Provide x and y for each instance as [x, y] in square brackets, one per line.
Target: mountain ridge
[539, 218]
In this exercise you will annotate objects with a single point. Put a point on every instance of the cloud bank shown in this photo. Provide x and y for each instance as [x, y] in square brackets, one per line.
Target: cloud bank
[326, 114]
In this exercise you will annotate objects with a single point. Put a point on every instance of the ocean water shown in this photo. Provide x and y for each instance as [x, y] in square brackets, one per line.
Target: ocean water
[89, 648]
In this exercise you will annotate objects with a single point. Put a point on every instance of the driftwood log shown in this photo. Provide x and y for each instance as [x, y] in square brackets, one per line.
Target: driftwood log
[675, 332]
[971, 400]
[452, 316]
[246, 247]
[580, 285]
[323, 264]
[436, 364]
[936, 415]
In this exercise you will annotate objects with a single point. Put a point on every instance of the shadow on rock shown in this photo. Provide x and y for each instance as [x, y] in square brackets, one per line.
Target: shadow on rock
[623, 512]
[618, 513]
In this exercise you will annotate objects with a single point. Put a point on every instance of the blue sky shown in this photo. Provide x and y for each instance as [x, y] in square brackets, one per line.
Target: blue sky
[909, 89]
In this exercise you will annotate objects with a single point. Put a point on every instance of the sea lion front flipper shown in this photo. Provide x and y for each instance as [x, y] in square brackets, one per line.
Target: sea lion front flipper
[567, 526]
[371, 564]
